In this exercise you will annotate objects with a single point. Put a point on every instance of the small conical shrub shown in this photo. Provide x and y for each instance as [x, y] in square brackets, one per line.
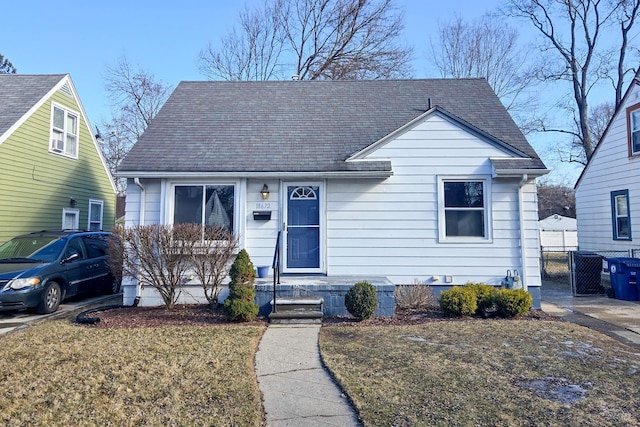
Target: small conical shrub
[361, 300]
[240, 304]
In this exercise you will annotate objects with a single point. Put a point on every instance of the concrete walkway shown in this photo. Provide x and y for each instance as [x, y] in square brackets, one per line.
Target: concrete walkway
[296, 389]
[616, 318]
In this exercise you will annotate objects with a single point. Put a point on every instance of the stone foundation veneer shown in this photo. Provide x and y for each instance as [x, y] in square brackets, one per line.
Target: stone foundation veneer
[332, 294]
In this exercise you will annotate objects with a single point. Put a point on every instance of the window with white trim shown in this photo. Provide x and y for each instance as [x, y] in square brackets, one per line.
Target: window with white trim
[96, 208]
[620, 215]
[64, 131]
[70, 219]
[204, 204]
[464, 208]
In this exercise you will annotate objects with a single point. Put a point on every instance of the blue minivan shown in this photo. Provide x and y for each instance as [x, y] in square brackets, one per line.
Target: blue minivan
[39, 270]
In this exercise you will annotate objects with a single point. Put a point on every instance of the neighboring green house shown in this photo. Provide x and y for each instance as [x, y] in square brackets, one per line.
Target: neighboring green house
[52, 172]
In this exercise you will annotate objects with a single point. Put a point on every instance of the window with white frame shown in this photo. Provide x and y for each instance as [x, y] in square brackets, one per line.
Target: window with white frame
[463, 208]
[96, 208]
[64, 131]
[207, 205]
[620, 215]
[70, 219]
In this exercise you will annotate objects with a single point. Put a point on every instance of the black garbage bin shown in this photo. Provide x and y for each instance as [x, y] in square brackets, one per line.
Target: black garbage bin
[624, 274]
[588, 267]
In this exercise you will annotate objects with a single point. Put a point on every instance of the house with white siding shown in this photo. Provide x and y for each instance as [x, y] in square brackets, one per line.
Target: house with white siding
[608, 190]
[405, 180]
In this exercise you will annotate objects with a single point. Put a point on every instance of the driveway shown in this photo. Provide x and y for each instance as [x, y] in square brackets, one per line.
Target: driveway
[11, 320]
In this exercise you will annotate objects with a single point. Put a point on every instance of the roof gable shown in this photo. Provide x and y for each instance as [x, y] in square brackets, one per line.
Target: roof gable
[21, 95]
[305, 126]
[621, 109]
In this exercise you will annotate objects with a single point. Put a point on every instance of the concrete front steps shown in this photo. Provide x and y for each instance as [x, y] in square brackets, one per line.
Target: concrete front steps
[297, 311]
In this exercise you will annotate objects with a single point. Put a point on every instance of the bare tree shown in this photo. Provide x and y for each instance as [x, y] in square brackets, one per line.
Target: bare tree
[556, 199]
[136, 97]
[251, 53]
[314, 39]
[599, 117]
[156, 256]
[571, 31]
[486, 48]
[6, 67]
[211, 258]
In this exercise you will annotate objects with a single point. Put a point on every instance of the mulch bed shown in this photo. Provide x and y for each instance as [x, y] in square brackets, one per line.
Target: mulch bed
[203, 314]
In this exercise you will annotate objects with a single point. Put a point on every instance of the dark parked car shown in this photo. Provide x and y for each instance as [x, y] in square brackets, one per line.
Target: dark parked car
[39, 270]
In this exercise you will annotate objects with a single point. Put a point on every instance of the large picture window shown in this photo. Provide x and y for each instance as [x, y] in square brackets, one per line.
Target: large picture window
[64, 131]
[620, 215]
[205, 205]
[463, 213]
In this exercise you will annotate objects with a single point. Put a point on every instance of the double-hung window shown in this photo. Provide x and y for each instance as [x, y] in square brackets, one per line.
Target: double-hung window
[464, 209]
[64, 131]
[633, 129]
[207, 205]
[620, 215]
[95, 214]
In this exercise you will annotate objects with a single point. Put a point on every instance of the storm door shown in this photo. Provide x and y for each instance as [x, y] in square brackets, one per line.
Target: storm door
[303, 228]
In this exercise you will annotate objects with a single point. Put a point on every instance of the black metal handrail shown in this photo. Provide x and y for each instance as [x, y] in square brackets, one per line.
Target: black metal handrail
[276, 269]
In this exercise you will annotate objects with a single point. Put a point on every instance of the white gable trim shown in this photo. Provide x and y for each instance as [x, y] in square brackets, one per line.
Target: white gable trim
[67, 83]
[32, 110]
[440, 112]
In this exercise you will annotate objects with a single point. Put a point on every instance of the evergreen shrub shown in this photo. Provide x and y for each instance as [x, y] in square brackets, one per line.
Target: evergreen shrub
[513, 302]
[361, 300]
[458, 301]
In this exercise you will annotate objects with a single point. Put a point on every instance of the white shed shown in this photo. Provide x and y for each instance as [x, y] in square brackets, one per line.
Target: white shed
[558, 233]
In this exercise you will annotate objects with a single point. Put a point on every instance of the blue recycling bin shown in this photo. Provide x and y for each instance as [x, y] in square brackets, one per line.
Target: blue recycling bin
[624, 277]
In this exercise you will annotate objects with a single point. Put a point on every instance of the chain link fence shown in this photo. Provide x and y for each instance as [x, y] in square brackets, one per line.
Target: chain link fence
[586, 271]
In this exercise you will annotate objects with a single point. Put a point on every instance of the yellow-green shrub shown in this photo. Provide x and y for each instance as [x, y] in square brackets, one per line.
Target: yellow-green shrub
[458, 301]
[513, 302]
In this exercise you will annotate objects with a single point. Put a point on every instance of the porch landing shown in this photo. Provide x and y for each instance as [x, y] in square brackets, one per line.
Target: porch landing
[331, 289]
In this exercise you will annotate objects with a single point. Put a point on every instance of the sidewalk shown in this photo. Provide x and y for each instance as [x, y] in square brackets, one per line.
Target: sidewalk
[296, 389]
[617, 318]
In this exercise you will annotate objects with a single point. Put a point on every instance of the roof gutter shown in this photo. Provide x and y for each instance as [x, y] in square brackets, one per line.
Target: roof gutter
[136, 175]
[516, 173]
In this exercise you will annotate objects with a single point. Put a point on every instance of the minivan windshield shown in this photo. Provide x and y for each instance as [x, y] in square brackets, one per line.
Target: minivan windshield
[42, 248]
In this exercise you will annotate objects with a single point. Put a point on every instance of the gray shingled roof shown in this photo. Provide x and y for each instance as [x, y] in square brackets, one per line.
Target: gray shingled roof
[20, 92]
[304, 126]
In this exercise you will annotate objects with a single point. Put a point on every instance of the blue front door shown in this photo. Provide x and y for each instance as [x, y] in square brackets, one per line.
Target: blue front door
[303, 227]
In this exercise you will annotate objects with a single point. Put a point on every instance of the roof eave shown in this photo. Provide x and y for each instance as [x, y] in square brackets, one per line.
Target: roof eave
[240, 174]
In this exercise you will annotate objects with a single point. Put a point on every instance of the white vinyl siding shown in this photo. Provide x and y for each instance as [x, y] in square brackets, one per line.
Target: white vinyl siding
[610, 169]
[390, 227]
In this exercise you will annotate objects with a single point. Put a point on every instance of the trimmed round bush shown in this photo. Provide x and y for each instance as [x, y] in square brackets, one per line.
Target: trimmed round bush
[240, 304]
[458, 301]
[485, 296]
[361, 300]
[513, 302]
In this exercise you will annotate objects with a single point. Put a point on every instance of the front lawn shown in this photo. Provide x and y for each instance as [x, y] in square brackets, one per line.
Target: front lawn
[485, 373]
[60, 374]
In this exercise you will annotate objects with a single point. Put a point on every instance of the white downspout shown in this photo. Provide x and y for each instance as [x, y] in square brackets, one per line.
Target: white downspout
[142, 200]
[523, 254]
[136, 180]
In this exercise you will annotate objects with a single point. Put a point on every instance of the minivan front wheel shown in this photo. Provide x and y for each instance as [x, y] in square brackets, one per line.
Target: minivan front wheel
[50, 298]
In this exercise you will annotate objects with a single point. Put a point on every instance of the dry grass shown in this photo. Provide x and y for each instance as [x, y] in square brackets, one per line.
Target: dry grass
[498, 373]
[60, 374]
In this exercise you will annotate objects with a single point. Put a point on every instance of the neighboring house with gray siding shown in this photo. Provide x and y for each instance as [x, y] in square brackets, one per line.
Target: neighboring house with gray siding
[608, 190]
[52, 173]
[405, 179]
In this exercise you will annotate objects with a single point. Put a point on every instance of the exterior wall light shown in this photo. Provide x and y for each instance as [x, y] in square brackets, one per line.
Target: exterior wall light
[265, 192]
[73, 202]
